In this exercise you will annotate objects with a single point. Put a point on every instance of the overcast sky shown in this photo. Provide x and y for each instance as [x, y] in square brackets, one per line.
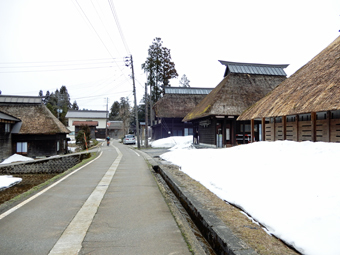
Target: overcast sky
[45, 44]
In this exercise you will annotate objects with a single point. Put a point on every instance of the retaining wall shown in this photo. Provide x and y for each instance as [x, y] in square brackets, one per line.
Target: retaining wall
[52, 165]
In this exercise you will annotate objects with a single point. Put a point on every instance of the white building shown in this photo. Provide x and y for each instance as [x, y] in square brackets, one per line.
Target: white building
[79, 117]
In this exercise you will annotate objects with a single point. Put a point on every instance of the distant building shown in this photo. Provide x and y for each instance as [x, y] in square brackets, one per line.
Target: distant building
[306, 106]
[115, 129]
[28, 128]
[172, 108]
[243, 85]
[96, 120]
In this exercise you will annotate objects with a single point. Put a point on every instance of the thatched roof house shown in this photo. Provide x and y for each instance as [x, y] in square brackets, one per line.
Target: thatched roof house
[33, 131]
[34, 118]
[243, 85]
[178, 101]
[313, 92]
[313, 88]
[172, 108]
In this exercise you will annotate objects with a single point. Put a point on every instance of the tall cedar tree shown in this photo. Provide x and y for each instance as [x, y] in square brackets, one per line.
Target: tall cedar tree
[159, 68]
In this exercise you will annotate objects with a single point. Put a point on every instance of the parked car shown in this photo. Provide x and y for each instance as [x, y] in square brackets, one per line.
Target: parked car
[129, 139]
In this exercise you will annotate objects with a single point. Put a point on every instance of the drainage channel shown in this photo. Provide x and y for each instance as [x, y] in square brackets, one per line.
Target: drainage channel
[202, 241]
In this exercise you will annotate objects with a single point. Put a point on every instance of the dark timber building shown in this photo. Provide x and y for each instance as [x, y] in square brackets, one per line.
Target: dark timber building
[172, 108]
[243, 85]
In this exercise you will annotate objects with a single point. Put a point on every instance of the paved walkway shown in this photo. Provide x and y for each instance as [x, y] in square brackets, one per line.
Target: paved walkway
[111, 206]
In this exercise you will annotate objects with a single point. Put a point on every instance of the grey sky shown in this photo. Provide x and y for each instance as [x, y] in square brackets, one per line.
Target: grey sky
[49, 43]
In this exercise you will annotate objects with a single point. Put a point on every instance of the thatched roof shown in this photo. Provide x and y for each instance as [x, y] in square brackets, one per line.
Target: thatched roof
[235, 93]
[313, 88]
[35, 118]
[179, 102]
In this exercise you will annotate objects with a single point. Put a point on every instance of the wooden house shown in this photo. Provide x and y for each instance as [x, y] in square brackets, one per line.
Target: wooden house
[27, 127]
[243, 85]
[76, 118]
[172, 108]
[306, 106]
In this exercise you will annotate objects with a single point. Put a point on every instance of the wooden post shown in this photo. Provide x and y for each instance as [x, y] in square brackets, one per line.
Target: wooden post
[263, 122]
[297, 127]
[284, 128]
[328, 126]
[313, 129]
[233, 132]
[274, 129]
[252, 131]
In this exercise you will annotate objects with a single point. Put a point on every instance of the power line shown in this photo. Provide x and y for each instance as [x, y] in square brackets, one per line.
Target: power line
[93, 28]
[113, 10]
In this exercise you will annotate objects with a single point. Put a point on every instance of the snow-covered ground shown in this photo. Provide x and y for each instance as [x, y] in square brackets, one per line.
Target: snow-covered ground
[292, 188]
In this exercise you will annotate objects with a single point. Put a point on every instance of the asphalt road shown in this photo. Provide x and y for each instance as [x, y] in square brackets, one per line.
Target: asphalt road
[110, 206]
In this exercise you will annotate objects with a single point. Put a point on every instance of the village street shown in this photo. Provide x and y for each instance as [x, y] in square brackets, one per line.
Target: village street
[110, 206]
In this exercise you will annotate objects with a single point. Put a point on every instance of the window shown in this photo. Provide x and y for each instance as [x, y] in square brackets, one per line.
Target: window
[22, 147]
[305, 117]
[290, 118]
[7, 127]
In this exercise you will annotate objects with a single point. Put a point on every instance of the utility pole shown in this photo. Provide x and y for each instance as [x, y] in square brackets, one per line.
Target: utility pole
[136, 111]
[146, 116]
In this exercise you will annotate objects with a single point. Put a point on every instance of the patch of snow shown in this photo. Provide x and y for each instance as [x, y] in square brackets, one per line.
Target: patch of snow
[291, 188]
[7, 181]
[16, 158]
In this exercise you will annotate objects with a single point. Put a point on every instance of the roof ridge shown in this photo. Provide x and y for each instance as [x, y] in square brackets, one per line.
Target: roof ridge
[223, 62]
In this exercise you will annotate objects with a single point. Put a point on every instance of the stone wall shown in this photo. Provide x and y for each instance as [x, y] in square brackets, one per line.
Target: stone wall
[52, 165]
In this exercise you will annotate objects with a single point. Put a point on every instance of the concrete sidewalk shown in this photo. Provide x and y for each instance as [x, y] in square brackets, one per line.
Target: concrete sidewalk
[133, 217]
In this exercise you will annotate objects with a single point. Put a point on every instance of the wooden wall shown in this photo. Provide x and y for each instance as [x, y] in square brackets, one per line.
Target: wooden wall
[335, 130]
[326, 130]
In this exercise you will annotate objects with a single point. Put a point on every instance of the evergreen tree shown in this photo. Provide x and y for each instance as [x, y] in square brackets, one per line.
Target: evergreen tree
[114, 111]
[75, 106]
[59, 103]
[84, 140]
[159, 68]
[184, 82]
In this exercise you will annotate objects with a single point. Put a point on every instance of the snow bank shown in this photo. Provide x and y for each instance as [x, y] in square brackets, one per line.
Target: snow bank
[174, 142]
[290, 187]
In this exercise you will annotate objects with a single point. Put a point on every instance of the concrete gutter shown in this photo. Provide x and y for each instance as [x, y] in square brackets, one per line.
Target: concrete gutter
[220, 237]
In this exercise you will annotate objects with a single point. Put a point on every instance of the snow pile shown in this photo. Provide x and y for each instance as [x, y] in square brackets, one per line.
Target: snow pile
[16, 158]
[173, 142]
[7, 181]
[291, 188]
